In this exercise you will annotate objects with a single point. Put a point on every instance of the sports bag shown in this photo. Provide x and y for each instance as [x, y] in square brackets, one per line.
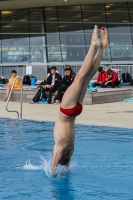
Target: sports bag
[126, 77]
[26, 80]
[38, 96]
[3, 80]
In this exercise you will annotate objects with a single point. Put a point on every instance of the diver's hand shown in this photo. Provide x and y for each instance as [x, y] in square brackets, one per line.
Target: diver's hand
[53, 172]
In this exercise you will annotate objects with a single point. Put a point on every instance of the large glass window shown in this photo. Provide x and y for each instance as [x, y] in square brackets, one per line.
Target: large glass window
[15, 54]
[72, 39]
[50, 15]
[14, 15]
[15, 27]
[70, 27]
[54, 54]
[36, 15]
[63, 33]
[121, 53]
[53, 39]
[15, 40]
[51, 27]
[69, 16]
[93, 16]
[37, 39]
[37, 54]
[73, 53]
[36, 28]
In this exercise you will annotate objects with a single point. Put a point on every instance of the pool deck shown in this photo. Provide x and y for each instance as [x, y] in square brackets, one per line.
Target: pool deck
[119, 114]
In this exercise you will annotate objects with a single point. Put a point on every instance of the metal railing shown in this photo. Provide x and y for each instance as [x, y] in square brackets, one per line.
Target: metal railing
[21, 99]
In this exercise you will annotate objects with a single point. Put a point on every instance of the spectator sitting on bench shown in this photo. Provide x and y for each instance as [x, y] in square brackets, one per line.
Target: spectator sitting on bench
[52, 83]
[72, 72]
[112, 79]
[17, 85]
[101, 78]
[66, 82]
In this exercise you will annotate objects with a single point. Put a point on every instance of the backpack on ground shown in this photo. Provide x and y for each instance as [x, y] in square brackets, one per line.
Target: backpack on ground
[26, 80]
[3, 80]
[126, 77]
[38, 96]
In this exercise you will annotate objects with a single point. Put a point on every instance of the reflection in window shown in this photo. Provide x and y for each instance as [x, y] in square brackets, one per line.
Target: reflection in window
[50, 15]
[65, 27]
[73, 53]
[117, 17]
[106, 54]
[93, 7]
[93, 16]
[120, 39]
[14, 15]
[118, 28]
[36, 15]
[15, 40]
[37, 39]
[15, 54]
[51, 27]
[72, 39]
[88, 39]
[116, 7]
[15, 27]
[52, 39]
[37, 54]
[121, 53]
[36, 28]
[130, 6]
[54, 54]
[0, 55]
[69, 16]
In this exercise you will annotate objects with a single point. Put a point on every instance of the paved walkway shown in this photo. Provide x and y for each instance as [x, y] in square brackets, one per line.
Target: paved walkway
[110, 114]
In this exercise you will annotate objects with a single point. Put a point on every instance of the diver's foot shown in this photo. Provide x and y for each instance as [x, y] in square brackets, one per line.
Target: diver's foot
[104, 37]
[95, 40]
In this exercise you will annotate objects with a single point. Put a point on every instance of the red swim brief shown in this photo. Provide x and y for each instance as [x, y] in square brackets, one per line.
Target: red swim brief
[72, 111]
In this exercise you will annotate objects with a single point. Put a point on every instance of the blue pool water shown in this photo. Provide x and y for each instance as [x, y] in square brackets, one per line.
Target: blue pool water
[101, 167]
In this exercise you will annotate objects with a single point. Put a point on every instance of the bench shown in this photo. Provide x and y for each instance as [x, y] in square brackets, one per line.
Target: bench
[104, 95]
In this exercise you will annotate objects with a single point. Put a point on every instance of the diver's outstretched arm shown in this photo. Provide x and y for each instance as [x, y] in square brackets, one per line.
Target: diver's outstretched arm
[57, 154]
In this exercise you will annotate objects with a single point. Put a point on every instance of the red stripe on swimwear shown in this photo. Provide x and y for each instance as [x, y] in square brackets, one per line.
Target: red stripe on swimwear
[72, 111]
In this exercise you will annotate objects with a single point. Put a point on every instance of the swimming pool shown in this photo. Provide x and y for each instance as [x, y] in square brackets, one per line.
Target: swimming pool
[101, 167]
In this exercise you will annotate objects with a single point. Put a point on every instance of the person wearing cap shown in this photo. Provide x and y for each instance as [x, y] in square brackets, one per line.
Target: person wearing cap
[66, 82]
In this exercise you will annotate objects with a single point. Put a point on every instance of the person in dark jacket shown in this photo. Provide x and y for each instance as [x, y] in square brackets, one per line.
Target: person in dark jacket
[69, 67]
[112, 79]
[66, 82]
[53, 82]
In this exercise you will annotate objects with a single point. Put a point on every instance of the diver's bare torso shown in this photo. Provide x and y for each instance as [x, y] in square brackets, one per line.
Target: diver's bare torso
[64, 131]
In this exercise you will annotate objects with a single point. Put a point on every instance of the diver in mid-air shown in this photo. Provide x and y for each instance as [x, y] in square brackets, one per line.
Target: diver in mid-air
[71, 105]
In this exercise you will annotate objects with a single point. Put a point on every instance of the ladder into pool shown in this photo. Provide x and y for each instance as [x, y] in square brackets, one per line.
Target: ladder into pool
[19, 115]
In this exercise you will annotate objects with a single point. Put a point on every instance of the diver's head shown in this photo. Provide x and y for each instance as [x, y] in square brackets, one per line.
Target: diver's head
[64, 159]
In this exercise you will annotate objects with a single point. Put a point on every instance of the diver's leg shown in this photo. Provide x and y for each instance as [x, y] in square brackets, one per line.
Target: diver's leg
[96, 63]
[71, 96]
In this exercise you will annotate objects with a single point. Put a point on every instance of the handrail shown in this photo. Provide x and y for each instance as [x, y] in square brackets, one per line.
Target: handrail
[21, 99]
